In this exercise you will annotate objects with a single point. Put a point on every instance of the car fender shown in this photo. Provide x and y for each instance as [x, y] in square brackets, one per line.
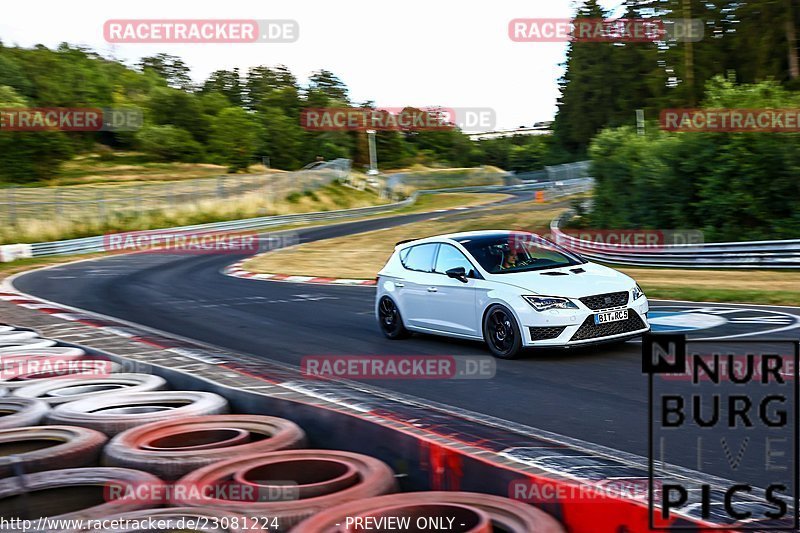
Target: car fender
[509, 296]
[386, 287]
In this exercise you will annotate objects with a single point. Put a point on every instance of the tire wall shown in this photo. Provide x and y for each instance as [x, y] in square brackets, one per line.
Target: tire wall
[411, 457]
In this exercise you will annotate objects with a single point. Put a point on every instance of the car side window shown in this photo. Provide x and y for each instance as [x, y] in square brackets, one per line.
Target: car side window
[403, 255]
[451, 257]
[419, 257]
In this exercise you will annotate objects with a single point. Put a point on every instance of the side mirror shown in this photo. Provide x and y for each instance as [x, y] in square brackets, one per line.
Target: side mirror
[458, 273]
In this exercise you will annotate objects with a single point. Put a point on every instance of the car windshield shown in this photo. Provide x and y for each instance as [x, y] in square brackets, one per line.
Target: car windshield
[517, 252]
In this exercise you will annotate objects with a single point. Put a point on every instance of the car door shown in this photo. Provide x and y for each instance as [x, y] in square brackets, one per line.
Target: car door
[452, 307]
[414, 297]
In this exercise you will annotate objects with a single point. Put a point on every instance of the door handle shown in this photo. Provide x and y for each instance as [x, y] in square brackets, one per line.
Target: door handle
[432, 289]
[399, 284]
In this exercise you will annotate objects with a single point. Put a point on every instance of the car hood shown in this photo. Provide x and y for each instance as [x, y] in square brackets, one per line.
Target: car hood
[568, 281]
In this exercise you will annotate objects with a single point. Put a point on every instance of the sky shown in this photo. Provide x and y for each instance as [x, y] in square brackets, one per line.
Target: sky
[396, 53]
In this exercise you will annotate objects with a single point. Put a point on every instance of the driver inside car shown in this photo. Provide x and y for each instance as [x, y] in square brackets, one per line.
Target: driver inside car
[510, 259]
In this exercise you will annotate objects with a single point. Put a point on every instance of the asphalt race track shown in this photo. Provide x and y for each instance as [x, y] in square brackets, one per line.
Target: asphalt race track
[596, 394]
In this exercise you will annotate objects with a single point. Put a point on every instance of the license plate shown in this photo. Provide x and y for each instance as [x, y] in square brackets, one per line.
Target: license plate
[611, 316]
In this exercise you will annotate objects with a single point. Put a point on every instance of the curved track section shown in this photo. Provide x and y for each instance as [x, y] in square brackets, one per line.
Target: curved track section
[595, 394]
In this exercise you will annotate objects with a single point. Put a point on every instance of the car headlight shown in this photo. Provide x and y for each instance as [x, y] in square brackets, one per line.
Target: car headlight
[637, 292]
[543, 303]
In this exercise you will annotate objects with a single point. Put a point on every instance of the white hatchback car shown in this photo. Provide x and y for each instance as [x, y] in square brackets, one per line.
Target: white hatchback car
[510, 289]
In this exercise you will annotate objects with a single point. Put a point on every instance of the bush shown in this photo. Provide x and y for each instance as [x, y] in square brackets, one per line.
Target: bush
[169, 143]
[27, 157]
[732, 186]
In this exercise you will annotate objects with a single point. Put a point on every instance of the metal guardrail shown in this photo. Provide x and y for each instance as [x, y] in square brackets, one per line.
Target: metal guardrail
[579, 169]
[750, 254]
[97, 243]
[402, 182]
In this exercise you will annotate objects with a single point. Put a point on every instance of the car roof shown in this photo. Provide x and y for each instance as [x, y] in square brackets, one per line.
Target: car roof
[458, 237]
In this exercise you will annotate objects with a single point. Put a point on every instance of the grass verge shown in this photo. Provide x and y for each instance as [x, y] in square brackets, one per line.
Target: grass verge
[361, 256]
[127, 168]
[248, 205]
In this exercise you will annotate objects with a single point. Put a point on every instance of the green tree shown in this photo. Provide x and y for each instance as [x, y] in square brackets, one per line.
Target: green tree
[282, 139]
[234, 139]
[528, 156]
[263, 84]
[169, 143]
[328, 84]
[170, 68]
[13, 75]
[227, 83]
[587, 88]
[182, 110]
[27, 156]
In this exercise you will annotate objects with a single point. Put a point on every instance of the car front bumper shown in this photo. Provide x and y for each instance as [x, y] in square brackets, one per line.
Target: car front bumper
[576, 327]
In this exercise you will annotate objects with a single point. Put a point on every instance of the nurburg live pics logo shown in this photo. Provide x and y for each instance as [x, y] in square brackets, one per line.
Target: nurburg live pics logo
[734, 423]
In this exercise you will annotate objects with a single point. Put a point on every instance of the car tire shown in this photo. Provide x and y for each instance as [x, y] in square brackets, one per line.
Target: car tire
[136, 448]
[338, 477]
[77, 493]
[114, 413]
[501, 332]
[21, 412]
[63, 390]
[64, 447]
[390, 320]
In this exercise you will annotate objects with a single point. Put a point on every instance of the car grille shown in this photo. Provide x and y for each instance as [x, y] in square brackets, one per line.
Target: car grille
[540, 334]
[605, 301]
[590, 330]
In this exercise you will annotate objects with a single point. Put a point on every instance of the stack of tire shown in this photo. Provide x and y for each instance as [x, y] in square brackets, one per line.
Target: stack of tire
[12, 338]
[120, 451]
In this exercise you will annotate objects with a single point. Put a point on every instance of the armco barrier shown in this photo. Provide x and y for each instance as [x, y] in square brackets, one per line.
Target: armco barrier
[751, 254]
[429, 446]
[96, 243]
